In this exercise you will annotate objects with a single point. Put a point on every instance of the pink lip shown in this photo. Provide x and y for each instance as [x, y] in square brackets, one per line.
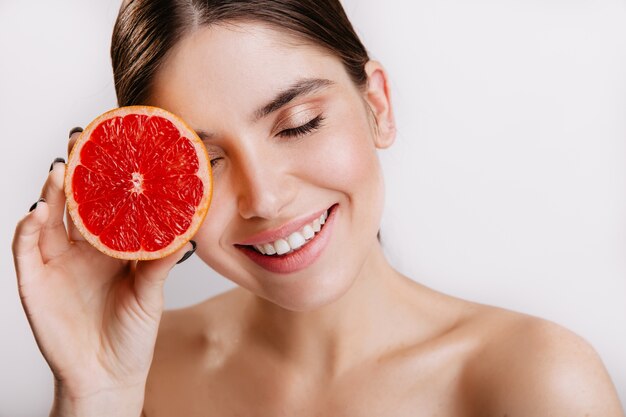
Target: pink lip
[268, 236]
[298, 259]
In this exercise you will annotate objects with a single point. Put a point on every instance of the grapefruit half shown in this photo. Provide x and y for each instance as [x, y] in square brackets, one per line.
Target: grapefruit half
[138, 183]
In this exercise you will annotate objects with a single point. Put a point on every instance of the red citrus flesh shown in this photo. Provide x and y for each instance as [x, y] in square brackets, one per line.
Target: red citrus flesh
[138, 183]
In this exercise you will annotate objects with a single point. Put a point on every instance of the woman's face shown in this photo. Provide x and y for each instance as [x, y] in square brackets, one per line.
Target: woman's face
[290, 138]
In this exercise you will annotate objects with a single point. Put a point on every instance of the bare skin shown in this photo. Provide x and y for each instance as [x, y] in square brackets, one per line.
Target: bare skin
[441, 356]
[347, 335]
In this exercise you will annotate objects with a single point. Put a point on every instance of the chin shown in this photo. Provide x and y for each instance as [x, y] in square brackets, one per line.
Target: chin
[309, 294]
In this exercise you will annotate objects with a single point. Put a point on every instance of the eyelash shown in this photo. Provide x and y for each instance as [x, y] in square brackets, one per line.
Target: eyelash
[308, 127]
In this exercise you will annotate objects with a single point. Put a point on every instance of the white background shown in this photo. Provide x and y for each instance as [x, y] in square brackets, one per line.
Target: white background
[506, 186]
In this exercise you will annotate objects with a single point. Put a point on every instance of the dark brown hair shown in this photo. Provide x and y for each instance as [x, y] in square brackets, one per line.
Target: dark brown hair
[146, 30]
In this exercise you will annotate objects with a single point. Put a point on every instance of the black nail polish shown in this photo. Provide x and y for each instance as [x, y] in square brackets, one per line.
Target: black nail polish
[56, 160]
[75, 130]
[188, 254]
[35, 205]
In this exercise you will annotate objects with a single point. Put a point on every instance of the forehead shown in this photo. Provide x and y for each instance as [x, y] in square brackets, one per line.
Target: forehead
[236, 66]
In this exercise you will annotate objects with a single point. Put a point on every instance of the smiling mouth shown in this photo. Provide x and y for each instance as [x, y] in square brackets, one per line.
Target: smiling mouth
[294, 241]
[283, 258]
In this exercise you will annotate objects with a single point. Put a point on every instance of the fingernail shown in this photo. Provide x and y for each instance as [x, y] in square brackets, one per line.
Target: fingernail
[188, 253]
[75, 130]
[56, 160]
[34, 206]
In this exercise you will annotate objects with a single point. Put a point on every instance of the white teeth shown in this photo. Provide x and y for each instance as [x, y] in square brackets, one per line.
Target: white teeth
[307, 232]
[282, 246]
[296, 240]
[293, 241]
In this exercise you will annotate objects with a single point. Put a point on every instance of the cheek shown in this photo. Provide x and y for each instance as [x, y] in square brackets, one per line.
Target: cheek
[345, 158]
[213, 255]
[209, 235]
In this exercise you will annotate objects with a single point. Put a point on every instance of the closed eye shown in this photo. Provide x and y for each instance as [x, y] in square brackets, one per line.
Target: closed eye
[308, 127]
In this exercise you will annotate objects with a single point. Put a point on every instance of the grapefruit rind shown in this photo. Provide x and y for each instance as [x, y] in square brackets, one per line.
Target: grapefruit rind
[203, 173]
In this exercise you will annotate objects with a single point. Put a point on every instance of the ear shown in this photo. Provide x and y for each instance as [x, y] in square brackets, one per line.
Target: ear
[379, 100]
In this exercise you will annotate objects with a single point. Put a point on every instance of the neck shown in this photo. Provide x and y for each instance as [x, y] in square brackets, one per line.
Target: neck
[334, 338]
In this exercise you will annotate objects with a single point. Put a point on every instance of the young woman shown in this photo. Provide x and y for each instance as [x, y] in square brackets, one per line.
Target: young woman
[292, 111]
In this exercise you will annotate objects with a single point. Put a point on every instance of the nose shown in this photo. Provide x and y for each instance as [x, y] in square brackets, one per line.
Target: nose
[263, 184]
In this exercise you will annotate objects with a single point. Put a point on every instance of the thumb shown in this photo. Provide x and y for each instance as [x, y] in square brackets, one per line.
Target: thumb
[150, 277]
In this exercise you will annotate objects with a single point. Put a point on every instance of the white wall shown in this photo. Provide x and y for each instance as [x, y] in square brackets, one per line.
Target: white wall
[507, 184]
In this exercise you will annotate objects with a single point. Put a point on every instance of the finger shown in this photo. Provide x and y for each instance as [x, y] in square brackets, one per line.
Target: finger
[26, 254]
[72, 231]
[54, 240]
[74, 135]
[150, 277]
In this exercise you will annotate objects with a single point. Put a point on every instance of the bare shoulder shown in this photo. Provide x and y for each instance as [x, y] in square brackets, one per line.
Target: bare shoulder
[530, 366]
[198, 327]
[202, 333]
[192, 343]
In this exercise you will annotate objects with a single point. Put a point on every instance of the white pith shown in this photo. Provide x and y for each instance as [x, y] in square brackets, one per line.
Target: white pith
[295, 240]
[137, 183]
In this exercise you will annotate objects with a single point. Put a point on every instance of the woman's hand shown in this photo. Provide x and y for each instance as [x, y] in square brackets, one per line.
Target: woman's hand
[95, 318]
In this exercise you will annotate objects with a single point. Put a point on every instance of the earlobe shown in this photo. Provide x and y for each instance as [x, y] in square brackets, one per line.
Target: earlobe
[379, 99]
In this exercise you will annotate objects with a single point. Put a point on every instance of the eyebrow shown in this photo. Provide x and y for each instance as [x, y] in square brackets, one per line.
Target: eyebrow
[297, 89]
